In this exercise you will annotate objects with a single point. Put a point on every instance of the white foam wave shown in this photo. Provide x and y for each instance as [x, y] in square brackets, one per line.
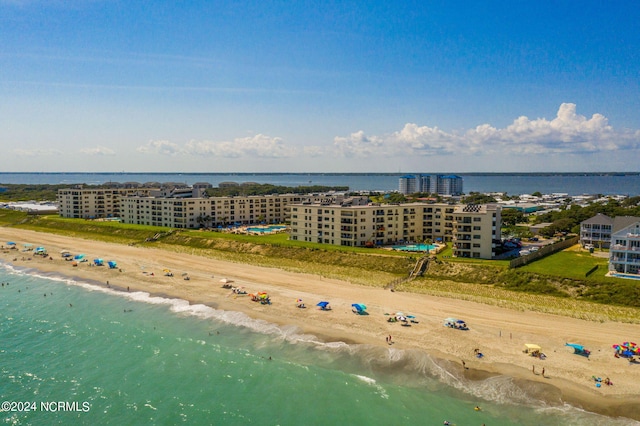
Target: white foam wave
[499, 389]
[372, 382]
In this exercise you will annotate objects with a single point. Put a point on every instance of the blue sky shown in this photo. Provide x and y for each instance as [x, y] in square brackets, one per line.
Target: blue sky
[336, 86]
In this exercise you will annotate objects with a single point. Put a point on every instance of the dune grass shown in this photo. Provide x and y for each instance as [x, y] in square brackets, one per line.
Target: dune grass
[530, 287]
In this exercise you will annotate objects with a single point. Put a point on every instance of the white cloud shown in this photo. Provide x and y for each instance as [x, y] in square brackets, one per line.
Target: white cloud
[359, 145]
[159, 147]
[257, 146]
[568, 133]
[37, 152]
[98, 150]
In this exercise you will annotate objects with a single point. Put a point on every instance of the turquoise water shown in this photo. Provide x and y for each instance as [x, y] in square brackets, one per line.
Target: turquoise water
[127, 358]
[415, 247]
[267, 229]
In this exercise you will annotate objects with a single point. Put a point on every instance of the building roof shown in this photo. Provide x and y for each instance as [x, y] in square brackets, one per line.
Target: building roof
[620, 222]
[599, 219]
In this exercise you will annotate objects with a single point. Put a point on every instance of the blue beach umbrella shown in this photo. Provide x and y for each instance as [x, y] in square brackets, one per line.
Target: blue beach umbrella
[322, 304]
[78, 257]
[11, 243]
[359, 307]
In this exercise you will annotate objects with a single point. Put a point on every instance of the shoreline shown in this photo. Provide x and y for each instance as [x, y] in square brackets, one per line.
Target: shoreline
[498, 332]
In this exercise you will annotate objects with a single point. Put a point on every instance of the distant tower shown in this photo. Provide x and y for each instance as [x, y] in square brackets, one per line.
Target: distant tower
[449, 185]
[408, 184]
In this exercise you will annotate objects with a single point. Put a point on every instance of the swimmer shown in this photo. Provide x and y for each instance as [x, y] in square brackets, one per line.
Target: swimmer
[477, 408]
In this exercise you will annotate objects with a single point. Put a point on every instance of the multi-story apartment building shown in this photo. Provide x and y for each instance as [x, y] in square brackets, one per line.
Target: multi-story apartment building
[94, 202]
[624, 253]
[476, 230]
[376, 224]
[597, 230]
[449, 185]
[196, 212]
[434, 184]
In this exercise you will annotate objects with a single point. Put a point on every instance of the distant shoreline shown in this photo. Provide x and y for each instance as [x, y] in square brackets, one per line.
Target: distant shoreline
[335, 173]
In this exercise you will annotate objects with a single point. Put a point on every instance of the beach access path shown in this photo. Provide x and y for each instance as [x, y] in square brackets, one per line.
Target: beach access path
[498, 332]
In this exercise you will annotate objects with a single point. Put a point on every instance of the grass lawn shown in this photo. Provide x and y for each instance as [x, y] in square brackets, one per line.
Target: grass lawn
[570, 264]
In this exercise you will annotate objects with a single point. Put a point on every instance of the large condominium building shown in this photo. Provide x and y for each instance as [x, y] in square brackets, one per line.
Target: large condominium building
[94, 202]
[182, 210]
[362, 226]
[197, 212]
[624, 254]
[433, 184]
[476, 230]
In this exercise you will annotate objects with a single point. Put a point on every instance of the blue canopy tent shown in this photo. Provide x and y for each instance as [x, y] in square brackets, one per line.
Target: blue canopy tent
[112, 264]
[40, 250]
[324, 305]
[359, 308]
[78, 257]
[98, 262]
[579, 349]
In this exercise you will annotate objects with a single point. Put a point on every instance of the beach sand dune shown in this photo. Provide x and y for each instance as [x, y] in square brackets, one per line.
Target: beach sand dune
[498, 332]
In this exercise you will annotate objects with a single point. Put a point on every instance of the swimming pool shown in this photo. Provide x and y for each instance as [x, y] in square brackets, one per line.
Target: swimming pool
[416, 247]
[626, 276]
[266, 229]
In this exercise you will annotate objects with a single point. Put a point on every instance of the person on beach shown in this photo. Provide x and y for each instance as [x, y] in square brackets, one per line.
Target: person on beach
[542, 371]
[534, 369]
[464, 364]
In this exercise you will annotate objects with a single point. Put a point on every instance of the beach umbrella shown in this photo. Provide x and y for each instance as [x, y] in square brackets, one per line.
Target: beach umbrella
[78, 256]
[322, 304]
[359, 307]
[226, 280]
[11, 243]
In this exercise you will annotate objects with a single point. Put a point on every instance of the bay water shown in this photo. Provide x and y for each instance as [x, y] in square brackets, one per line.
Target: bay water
[81, 354]
[513, 184]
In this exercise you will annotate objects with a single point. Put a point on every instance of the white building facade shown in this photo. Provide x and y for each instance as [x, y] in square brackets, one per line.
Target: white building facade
[624, 253]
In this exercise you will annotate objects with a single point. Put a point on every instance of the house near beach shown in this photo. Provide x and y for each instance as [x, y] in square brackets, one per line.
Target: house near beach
[624, 253]
[598, 230]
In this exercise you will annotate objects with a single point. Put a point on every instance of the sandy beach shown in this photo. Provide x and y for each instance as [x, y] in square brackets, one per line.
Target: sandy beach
[499, 333]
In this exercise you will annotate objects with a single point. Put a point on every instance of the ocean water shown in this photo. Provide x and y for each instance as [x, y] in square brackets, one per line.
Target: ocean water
[515, 183]
[100, 357]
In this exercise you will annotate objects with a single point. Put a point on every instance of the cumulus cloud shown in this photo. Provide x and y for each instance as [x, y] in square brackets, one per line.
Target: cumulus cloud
[568, 133]
[160, 147]
[36, 152]
[98, 150]
[259, 146]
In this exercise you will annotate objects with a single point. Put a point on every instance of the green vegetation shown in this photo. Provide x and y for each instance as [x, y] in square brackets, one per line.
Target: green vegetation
[20, 192]
[478, 198]
[569, 218]
[556, 283]
[246, 189]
